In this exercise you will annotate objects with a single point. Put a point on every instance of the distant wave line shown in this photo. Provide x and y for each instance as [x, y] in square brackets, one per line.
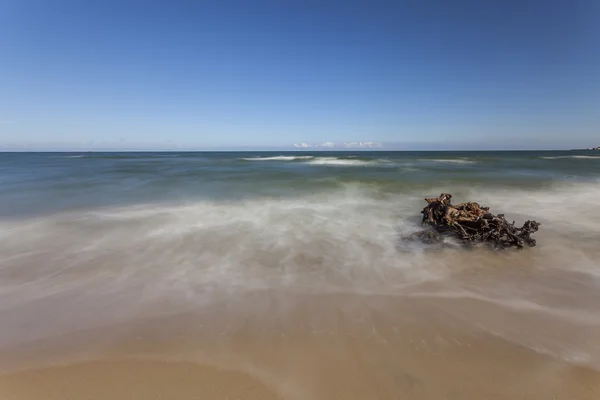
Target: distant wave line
[454, 161]
[278, 158]
[577, 157]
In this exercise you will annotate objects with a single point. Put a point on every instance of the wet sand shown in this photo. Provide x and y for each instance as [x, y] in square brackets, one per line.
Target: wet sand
[124, 379]
[271, 345]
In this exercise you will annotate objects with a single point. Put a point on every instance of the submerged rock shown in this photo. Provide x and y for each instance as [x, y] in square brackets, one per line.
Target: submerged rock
[472, 224]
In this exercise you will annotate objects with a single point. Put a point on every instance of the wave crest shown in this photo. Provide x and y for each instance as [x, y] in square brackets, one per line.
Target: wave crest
[575, 157]
[345, 162]
[450, 160]
[278, 158]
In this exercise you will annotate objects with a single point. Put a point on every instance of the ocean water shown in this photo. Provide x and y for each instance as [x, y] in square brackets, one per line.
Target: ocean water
[92, 239]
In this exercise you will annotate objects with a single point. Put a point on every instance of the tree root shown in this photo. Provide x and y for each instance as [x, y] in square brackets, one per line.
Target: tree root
[472, 225]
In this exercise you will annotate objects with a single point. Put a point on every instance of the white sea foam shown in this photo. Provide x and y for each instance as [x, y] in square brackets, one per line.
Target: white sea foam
[346, 162]
[100, 267]
[278, 158]
[338, 231]
[451, 160]
[576, 157]
[561, 206]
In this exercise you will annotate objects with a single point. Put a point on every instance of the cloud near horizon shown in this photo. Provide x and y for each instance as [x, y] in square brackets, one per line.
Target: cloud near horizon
[362, 144]
[328, 144]
[302, 146]
[346, 145]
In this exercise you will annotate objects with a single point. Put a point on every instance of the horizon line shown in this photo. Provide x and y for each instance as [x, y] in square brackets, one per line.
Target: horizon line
[277, 150]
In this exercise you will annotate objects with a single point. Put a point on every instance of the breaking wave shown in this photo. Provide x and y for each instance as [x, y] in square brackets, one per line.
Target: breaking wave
[343, 161]
[576, 157]
[453, 161]
[277, 158]
[346, 162]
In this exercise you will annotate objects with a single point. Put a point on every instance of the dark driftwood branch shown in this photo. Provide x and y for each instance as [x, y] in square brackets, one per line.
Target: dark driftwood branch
[472, 224]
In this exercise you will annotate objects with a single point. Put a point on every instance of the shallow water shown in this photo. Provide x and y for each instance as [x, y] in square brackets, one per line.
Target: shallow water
[94, 239]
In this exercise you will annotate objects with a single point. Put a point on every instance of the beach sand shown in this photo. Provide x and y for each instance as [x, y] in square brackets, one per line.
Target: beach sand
[269, 345]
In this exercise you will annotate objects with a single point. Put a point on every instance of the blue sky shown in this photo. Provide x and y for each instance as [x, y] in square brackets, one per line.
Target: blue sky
[271, 74]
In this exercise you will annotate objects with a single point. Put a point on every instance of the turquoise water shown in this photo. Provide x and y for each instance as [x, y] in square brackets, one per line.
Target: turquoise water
[93, 239]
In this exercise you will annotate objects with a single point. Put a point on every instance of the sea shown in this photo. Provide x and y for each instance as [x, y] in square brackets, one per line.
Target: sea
[91, 239]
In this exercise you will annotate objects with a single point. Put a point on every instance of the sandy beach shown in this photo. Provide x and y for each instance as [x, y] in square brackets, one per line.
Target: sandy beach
[310, 347]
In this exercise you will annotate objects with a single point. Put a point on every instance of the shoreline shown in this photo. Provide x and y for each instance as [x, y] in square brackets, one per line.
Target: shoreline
[313, 347]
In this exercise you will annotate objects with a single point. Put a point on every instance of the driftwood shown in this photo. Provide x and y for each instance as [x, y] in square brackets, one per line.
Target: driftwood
[472, 224]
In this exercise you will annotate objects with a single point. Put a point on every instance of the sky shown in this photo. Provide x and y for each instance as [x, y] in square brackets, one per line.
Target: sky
[286, 74]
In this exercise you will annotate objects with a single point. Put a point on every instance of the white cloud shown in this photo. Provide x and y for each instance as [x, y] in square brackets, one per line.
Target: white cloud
[362, 144]
[330, 145]
[302, 145]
